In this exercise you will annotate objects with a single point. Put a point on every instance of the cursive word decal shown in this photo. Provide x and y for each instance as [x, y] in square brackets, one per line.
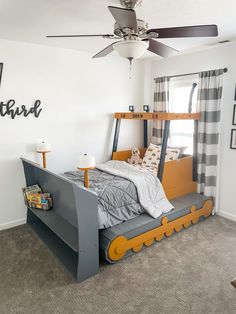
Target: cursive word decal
[9, 109]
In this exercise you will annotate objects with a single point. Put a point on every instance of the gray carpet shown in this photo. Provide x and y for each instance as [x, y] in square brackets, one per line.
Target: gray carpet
[189, 272]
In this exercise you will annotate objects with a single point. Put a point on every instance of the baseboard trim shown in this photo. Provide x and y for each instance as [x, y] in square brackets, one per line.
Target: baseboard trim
[226, 215]
[12, 224]
[22, 221]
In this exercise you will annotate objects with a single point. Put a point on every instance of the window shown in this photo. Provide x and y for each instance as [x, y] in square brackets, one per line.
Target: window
[182, 89]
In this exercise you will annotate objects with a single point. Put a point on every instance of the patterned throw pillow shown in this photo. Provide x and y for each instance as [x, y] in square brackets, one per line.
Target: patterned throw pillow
[172, 154]
[180, 148]
[152, 156]
[153, 153]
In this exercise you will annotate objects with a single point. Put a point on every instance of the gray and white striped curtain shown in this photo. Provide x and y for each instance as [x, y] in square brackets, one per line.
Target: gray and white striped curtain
[208, 104]
[161, 104]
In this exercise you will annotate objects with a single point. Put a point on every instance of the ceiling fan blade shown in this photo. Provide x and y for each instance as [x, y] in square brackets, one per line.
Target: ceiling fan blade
[89, 35]
[161, 49]
[104, 52]
[126, 18]
[186, 31]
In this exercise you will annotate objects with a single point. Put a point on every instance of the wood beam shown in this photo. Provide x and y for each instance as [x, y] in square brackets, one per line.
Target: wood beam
[157, 116]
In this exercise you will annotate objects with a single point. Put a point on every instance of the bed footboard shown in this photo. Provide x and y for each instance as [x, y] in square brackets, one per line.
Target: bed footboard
[70, 228]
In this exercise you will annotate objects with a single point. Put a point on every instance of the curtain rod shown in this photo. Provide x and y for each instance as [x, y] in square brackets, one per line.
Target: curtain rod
[195, 73]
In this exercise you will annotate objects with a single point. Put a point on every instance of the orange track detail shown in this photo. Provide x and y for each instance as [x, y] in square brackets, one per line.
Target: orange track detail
[120, 245]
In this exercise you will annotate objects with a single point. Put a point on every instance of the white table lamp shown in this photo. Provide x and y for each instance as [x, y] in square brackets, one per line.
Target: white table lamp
[86, 162]
[43, 148]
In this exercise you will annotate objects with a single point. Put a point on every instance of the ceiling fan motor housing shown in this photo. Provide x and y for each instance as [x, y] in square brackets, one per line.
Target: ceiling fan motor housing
[131, 4]
[142, 29]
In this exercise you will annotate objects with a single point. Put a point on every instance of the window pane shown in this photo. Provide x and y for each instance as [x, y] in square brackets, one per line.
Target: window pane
[181, 132]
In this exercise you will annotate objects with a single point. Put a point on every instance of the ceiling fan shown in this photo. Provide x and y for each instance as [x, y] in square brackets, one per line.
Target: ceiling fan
[134, 37]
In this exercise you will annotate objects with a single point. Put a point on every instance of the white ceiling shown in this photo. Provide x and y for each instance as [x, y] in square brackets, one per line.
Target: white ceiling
[31, 20]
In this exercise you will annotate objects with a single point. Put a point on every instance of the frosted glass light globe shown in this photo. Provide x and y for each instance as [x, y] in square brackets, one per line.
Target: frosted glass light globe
[131, 49]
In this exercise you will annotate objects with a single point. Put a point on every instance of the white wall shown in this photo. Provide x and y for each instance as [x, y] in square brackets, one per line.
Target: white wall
[213, 58]
[79, 96]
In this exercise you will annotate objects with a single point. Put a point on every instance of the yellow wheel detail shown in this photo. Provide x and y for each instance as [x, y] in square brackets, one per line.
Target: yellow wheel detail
[159, 237]
[178, 228]
[208, 206]
[194, 221]
[187, 224]
[164, 221]
[117, 248]
[149, 242]
[169, 232]
[137, 248]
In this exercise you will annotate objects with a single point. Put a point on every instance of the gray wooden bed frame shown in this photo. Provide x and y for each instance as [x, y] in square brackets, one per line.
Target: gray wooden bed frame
[70, 229]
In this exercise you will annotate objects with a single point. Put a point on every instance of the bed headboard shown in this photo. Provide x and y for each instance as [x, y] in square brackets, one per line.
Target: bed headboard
[125, 154]
[177, 176]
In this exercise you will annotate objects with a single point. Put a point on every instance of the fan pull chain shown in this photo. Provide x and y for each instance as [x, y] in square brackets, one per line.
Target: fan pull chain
[130, 67]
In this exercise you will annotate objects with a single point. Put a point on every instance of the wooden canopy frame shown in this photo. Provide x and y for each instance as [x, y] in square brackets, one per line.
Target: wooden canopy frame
[163, 116]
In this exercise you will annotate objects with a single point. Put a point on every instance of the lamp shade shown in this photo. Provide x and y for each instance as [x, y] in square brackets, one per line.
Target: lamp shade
[130, 48]
[86, 161]
[43, 147]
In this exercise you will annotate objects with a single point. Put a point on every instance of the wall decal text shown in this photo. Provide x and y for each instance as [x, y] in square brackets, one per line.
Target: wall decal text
[9, 109]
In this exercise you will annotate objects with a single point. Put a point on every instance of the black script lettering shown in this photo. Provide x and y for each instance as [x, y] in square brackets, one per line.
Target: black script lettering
[24, 111]
[36, 107]
[18, 112]
[2, 107]
[12, 111]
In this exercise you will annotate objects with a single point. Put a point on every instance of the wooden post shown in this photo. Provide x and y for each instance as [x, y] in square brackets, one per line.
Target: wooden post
[116, 136]
[145, 133]
[44, 160]
[86, 175]
[86, 178]
[44, 157]
[163, 150]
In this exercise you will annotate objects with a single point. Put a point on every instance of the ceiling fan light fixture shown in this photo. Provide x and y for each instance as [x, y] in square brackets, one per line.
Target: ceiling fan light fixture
[131, 49]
